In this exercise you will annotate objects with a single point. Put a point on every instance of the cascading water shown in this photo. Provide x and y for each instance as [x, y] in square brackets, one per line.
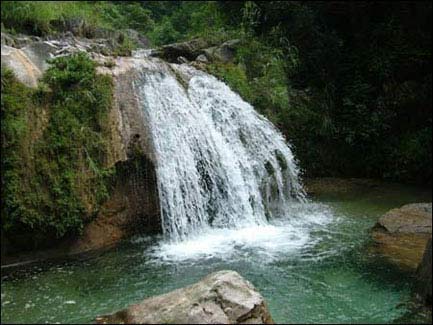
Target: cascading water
[219, 163]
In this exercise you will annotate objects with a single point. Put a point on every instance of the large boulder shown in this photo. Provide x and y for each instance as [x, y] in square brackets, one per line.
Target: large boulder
[222, 297]
[402, 234]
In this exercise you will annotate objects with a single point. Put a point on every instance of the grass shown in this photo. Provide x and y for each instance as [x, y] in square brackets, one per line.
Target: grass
[42, 17]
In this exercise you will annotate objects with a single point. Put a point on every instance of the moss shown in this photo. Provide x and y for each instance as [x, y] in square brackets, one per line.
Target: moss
[54, 179]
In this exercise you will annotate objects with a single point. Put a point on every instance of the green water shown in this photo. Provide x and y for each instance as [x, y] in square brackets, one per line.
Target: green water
[331, 278]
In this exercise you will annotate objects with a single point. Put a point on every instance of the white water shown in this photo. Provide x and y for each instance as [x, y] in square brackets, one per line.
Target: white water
[223, 170]
[266, 243]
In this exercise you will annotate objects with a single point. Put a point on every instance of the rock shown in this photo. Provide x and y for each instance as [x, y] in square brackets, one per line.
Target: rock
[200, 50]
[22, 40]
[410, 218]
[224, 53]
[182, 59]
[6, 39]
[132, 208]
[24, 69]
[190, 50]
[40, 52]
[222, 297]
[402, 234]
[202, 58]
[423, 286]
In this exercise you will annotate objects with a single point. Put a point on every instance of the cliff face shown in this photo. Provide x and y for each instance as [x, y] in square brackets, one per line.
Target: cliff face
[133, 205]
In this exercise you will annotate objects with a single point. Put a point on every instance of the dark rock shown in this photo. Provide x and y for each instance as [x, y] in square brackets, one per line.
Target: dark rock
[133, 207]
[423, 286]
[222, 297]
[190, 50]
[200, 49]
[225, 52]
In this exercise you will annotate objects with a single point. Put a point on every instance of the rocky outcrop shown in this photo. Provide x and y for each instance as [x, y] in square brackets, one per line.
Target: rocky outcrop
[220, 298]
[133, 205]
[223, 53]
[189, 50]
[423, 286]
[199, 50]
[27, 57]
[25, 69]
[401, 234]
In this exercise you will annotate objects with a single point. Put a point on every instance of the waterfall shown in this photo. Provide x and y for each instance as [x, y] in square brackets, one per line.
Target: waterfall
[219, 163]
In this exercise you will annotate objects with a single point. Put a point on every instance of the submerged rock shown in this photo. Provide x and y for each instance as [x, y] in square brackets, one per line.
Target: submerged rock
[222, 297]
[402, 234]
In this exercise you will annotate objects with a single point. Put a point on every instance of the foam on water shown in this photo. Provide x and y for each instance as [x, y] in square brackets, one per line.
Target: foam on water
[277, 239]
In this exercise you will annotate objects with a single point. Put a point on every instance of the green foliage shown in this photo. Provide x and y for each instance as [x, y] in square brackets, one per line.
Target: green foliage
[54, 179]
[349, 84]
[128, 14]
[258, 75]
[46, 17]
[182, 20]
[42, 17]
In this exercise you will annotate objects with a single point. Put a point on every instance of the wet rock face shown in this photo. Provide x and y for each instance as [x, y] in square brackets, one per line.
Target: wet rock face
[133, 207]
[223, 297]
[402, 234]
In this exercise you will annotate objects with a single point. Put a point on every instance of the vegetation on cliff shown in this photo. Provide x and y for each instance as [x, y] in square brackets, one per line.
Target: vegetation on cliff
[53, 148]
